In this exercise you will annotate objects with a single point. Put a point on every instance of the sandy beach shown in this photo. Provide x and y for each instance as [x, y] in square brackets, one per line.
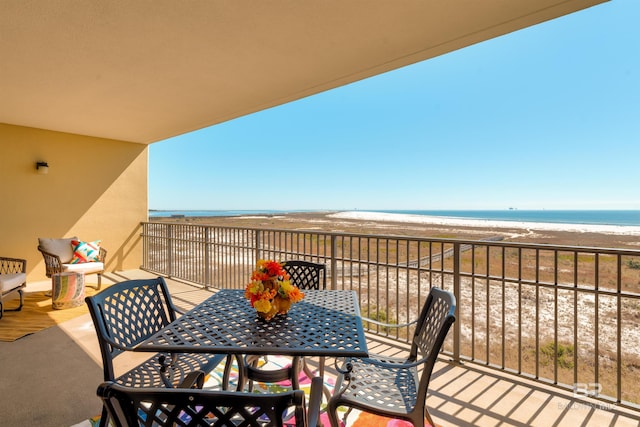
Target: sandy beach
[607, 236]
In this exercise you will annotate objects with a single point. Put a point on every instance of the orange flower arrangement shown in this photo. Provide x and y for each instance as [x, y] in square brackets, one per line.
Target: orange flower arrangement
[270, 290]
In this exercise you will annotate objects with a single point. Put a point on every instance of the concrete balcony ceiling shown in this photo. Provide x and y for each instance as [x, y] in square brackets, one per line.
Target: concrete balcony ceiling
[145, 71]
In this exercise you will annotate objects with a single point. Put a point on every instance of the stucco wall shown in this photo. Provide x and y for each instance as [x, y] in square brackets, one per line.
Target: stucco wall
[95, 189]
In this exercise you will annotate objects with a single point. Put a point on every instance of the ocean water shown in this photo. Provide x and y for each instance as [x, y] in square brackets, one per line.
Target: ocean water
[596, 217]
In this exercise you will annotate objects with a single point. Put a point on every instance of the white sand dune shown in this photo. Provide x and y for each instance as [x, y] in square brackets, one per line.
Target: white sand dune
[465, 222]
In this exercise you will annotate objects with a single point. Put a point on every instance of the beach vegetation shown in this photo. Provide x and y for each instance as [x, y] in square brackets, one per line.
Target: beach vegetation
[633, 264]
[379, 315]
[563, 354]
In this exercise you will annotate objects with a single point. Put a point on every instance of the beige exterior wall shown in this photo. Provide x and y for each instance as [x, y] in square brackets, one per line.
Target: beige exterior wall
[95, 189]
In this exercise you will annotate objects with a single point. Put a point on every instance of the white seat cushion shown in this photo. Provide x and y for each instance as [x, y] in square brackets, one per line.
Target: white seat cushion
[85, 267]
[11, 281]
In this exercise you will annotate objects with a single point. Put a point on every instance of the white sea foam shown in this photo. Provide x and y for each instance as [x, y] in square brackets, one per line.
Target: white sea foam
[448, 221]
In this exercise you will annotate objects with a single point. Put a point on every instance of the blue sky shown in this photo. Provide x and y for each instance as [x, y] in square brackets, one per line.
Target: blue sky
[544, 118]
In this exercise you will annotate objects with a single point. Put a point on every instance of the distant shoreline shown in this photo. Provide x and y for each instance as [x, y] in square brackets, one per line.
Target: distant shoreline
[376, 223]
[482, 223]
[604, 221]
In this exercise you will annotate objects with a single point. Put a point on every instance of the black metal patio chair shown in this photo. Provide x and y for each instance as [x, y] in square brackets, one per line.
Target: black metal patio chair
[127, 313]
[396, 387]
[186, 407]
[305, 275]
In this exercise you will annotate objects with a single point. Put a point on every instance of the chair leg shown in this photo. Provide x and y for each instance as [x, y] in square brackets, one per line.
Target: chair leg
[309, 374]
[97, 288]
[104, 418]
[21, 300]
[241, 373]
[332, 411]
[18, 308]
[249, 361]
[226, 376]
[296, 364]
[429, 419]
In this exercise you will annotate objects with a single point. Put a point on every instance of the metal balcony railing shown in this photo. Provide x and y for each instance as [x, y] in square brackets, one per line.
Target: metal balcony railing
[563, 315]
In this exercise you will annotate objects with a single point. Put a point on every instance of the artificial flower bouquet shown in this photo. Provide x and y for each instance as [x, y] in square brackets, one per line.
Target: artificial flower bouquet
[270, 291]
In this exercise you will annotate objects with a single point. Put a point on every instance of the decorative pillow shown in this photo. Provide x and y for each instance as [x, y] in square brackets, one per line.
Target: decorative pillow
[85, 251]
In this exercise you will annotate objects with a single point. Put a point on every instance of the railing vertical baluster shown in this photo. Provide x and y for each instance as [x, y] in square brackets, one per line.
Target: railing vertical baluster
[368, 284]
[287, 247]
[555, 316]
[145, 247]
[207, 259]
[519, 310]
[488, 306]
[473, 302]
[169, 250]
[359, 266]
[430, 264]
[457, 326]
[537, 334]
[408, 281]
[503, 319]
[619, 329]
[418, 275]
[257, 244]
[220, 254]
[387, 291]
[236, 249]
[575, 317]
[596, 347]
[334, 261]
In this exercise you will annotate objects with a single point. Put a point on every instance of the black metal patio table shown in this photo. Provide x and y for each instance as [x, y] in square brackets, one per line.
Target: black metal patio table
[324, 323]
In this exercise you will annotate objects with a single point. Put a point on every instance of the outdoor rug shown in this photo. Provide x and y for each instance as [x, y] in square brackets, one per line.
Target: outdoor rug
[355, 419]
[36, 315]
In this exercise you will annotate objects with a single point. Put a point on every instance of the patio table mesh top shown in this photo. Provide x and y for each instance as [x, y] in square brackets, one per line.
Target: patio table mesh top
[324, 323]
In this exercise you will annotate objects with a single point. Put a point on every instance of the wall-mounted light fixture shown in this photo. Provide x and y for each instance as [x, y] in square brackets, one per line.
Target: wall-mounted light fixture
[42, 168]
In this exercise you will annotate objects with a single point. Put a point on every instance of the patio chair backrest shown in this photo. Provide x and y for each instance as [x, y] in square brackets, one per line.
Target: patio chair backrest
[127, 313]
[436, 317]
[129, 406]
[306, 275]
